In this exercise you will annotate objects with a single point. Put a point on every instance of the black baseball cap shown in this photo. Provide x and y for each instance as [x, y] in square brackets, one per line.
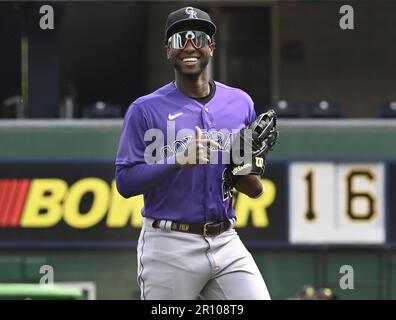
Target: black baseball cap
[191, 18]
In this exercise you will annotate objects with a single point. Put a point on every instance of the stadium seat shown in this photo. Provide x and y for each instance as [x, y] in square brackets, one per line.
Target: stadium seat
[11, 107]
[103, 110]
[388, 109]
[287, 109]
[324, 109]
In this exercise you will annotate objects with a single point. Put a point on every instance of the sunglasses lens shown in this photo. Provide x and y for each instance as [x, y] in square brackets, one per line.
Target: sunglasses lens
[198, 38]
[176, 41]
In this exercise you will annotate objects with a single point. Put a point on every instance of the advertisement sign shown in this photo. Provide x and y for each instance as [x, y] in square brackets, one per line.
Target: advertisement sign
[77, 204]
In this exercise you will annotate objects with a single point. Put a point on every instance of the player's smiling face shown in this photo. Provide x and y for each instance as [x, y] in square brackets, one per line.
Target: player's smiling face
[190, 61]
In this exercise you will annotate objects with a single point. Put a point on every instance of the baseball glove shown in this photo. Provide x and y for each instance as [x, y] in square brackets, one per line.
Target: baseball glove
[250, 147]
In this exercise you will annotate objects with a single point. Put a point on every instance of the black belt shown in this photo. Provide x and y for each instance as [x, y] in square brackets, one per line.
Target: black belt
[209, 229]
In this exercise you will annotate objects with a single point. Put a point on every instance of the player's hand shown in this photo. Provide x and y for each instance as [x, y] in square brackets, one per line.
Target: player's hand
[197, 151]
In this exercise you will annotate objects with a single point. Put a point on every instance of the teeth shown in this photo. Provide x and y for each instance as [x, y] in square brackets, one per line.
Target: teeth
[190, 59]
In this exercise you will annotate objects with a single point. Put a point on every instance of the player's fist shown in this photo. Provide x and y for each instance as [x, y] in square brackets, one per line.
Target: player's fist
[197, 151]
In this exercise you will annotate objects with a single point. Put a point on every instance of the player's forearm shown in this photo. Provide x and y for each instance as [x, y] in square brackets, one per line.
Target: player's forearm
[250, 185]
[141, 178]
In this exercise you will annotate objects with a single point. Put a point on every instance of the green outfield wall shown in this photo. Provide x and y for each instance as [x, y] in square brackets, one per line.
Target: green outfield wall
[285, 268]
[84, 139]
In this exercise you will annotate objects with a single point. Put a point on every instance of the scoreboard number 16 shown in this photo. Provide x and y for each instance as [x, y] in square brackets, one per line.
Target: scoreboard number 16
[352, 196]
[336, 202]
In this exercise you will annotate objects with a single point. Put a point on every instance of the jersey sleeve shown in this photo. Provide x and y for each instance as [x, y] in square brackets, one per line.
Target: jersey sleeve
[132, 145]
[251, 114]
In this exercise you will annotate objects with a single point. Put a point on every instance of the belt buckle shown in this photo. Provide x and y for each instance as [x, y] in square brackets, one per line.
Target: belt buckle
[205, 229]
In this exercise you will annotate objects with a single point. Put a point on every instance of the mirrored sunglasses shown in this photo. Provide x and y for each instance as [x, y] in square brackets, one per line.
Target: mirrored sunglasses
[179, 40]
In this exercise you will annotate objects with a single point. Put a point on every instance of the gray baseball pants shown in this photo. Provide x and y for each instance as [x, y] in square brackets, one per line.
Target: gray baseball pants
[184, 266]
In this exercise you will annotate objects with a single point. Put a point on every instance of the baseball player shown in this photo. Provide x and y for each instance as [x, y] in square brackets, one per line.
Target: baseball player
[188, 248]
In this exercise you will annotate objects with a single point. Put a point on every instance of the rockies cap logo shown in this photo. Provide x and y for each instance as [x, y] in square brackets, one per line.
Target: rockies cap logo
[192, 13]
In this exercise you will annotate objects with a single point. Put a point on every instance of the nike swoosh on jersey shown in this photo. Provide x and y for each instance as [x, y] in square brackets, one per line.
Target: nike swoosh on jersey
[174, 116]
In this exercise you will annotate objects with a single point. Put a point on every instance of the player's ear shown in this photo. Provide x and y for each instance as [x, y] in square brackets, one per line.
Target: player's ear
[212, 47]
[167, 52]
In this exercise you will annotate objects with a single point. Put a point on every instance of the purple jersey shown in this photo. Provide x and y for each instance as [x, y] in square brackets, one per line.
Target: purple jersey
[192, 194]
